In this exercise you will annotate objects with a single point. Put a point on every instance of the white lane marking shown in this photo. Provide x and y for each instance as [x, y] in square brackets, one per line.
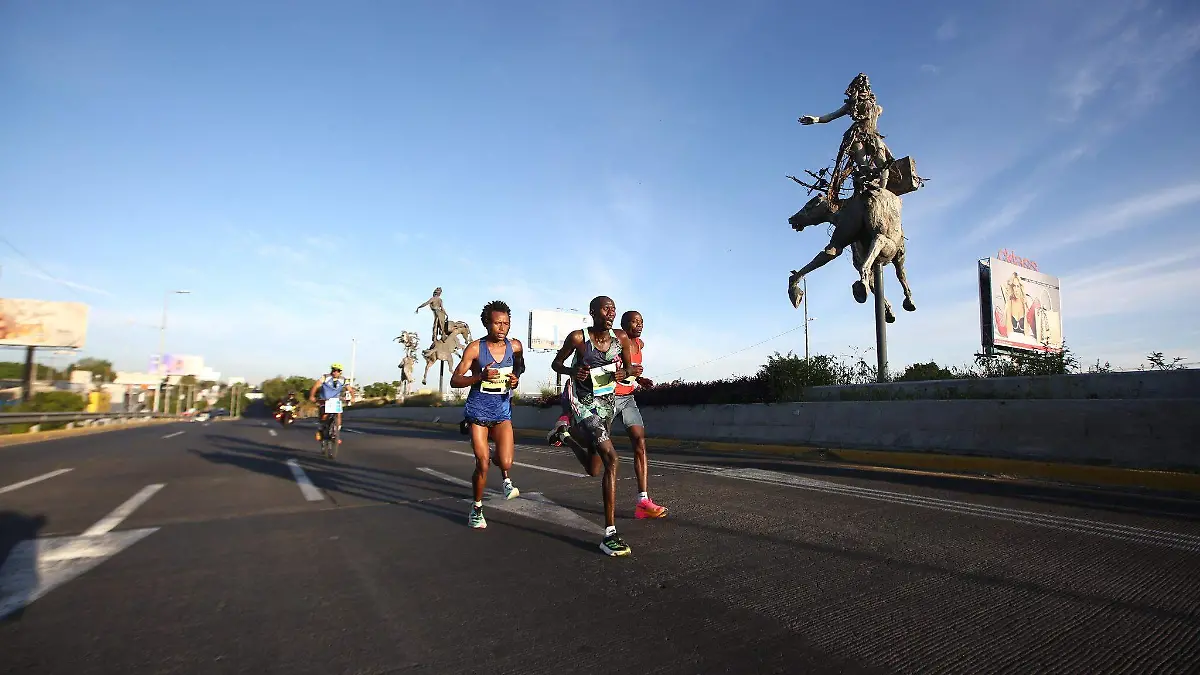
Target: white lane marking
[448, 478]
[31, 481]
[528, 466]
[107, 523]
[34, 567]
[1131, 533]
[1114, 530]
[272, 432]
[177, 433]
[311, 493]
[532, 505]
[350, 431]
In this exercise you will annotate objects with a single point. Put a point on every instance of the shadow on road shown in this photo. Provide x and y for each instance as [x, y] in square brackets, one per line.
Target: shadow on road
[383, 486]
[1141, 503]
[18, 564]
[332, 476]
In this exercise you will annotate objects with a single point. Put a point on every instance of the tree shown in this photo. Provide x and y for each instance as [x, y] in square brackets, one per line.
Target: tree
[386, 390]
[918, 372]
[101, 367]
[277, 388]
[1159, 362]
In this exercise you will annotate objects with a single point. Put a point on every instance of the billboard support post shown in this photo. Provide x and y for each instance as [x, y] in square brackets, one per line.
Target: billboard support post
[27, 376]
[880, 326]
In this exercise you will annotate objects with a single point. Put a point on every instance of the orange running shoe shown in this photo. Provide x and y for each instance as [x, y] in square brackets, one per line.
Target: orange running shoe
[646, 508]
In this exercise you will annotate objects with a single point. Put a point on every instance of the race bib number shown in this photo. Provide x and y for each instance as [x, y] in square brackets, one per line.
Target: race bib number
[498, 385]
[604, 379]
[333, 405]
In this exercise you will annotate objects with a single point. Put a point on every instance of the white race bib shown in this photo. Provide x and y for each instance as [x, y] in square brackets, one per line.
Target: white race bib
[604, 380]
[286, 407]
[500, 384]
[333, 405]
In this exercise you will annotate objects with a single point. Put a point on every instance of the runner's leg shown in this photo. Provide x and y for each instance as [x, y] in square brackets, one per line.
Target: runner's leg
[479, 443]
[502, 435]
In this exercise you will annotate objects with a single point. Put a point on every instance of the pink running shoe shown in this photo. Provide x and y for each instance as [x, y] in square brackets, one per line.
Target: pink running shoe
[646, 508]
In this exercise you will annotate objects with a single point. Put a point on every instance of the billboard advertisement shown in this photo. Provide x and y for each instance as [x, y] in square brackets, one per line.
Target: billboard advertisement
[548, 329]
[1020, 308]
[41, 323]
[177, 364]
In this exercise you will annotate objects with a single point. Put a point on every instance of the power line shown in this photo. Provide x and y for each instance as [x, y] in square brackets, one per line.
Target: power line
[791, 330]
[39, 268]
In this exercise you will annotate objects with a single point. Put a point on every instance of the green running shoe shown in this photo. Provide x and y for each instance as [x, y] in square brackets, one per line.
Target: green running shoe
[476, 519]
[614, 545]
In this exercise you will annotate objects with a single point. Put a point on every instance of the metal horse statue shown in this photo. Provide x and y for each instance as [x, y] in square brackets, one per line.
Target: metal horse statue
[409, 341]
[445, 348]
[870, 225]
[868, 220]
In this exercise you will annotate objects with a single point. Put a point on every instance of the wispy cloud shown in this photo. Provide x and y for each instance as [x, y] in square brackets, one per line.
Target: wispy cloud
[947, 30]
[1003, 219]
[1128, 213]
[1147, 285]
[283, 253]
[29, 272]
[1135, 56]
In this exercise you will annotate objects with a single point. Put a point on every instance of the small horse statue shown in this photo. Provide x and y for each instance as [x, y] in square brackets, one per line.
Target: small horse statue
[445, 348]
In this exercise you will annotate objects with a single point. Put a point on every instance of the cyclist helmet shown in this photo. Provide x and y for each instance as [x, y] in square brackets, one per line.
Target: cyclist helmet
[336, 366]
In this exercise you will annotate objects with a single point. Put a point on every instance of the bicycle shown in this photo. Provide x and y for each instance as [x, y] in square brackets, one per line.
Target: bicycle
[327, 430]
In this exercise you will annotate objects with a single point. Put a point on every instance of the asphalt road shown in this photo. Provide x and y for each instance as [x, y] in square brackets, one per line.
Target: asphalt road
[199, 549]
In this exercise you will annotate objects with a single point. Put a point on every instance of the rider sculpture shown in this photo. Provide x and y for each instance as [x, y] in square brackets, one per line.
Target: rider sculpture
[868, 221]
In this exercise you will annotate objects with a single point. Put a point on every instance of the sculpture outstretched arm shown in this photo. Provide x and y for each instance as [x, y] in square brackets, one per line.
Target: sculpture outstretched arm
[809, 119]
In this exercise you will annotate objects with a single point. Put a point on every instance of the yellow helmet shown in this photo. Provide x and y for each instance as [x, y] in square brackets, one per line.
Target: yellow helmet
[336, 366]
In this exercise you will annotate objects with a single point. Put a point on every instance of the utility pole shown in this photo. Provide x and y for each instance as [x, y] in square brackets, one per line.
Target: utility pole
[805, 282]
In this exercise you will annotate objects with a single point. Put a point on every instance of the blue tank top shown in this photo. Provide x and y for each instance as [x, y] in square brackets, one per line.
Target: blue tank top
[332, 388]
[491, 401]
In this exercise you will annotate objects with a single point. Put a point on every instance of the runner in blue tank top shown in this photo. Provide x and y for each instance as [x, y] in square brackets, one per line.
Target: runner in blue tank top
[600, 354]
[495, 364]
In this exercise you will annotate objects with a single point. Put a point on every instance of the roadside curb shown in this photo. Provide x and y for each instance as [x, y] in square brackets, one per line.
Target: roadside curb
[994, 467]
[39, 436]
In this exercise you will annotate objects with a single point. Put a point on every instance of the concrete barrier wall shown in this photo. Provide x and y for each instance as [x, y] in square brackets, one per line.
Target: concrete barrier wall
[1139, 433]
[1136, 385]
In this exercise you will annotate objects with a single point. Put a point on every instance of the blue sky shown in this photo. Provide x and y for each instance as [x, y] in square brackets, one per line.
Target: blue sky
[310, 171]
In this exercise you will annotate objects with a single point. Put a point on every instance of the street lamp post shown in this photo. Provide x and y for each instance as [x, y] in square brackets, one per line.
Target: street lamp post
[162, 342]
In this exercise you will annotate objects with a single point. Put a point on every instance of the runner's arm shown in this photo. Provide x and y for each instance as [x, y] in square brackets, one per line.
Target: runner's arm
[460, 378]
[312, 393]
[571, 344]
[626, 358]
[514, 378]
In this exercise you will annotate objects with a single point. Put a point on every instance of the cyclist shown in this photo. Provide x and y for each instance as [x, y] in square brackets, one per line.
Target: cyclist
[331, 387]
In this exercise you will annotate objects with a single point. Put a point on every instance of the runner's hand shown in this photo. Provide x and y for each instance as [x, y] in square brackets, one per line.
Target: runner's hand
[634, 370]
[513, 380]
[490, 374]
[581, 373]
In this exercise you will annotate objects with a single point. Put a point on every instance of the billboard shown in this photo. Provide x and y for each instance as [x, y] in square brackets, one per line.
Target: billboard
[41, 323]
[1020, 307]
[548, 329]
[177, 364]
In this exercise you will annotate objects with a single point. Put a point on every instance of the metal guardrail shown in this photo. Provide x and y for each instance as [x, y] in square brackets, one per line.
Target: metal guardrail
[42, 417]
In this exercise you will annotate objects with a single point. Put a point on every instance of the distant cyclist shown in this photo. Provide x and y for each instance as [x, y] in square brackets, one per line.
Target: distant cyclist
[331, 387]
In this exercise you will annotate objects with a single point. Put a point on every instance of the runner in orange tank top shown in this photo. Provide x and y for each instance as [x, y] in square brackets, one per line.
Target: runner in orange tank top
[627, 411]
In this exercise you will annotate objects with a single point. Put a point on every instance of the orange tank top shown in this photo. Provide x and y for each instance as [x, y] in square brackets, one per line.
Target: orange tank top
[629, 385]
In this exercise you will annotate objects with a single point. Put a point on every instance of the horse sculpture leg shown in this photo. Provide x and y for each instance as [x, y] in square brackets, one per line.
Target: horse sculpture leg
[864, 270]
[898, 262]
